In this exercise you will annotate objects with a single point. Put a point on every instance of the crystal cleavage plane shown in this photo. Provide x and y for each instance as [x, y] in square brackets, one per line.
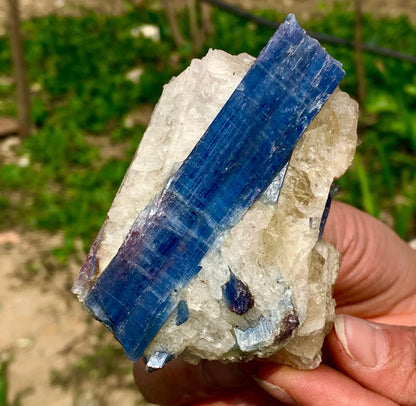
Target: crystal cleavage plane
[196, 258]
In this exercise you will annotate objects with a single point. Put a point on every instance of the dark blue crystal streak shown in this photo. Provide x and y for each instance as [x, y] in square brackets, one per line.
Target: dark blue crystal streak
[332, 192]
[235, 160]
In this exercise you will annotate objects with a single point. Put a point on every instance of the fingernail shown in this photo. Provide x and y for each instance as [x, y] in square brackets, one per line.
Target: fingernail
[276, 391]
[224, 375]
[362, 340]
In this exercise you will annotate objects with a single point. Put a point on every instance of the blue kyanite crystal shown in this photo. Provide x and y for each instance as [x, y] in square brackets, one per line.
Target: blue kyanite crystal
[237, 295]
[272, 193]
[182, 314]
[332, 193]
[249, 141]
[254, 337]
[158, 360]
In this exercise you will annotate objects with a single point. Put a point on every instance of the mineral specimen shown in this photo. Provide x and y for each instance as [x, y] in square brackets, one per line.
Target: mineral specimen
[212, 248]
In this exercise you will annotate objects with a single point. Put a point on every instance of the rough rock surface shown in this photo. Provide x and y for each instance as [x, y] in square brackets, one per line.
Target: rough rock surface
[273, 251]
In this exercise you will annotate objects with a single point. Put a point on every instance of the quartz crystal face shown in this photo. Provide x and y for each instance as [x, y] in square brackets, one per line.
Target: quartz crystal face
[212, 247]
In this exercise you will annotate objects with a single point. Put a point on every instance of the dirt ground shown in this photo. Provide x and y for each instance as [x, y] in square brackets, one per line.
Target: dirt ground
[37, 320]
[44, 331]
[42, 326]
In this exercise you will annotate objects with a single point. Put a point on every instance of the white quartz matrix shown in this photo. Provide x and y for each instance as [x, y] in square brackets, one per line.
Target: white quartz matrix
[273, 248]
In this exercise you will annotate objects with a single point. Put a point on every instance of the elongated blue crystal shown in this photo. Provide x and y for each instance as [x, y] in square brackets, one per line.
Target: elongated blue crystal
[333, 192]
[249, 141]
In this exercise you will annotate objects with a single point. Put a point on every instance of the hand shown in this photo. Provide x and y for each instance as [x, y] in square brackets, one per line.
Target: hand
[368, 363]
[372, 363]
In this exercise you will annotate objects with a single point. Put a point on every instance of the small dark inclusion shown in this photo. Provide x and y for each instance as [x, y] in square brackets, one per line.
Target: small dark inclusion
[237, 295]
[288, 325]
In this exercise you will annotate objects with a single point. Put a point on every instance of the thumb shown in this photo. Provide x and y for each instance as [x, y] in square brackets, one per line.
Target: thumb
[380, 357]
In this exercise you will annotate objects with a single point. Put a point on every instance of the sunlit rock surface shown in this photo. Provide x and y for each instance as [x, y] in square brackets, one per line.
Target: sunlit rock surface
[264, 286]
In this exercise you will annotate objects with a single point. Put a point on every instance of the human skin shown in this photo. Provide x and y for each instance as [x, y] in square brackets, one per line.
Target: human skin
[369, 356]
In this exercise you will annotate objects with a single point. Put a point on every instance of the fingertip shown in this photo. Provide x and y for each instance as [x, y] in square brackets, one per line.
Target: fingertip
[276, 391]
[363, 341]
[273, 379]
[378, 356]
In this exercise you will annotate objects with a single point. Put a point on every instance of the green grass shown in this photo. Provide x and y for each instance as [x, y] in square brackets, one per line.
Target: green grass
[3, 382]
[80, 65]
[5, 361]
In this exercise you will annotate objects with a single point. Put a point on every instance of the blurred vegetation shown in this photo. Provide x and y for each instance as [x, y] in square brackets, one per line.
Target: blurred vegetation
[78, 68]
[105, 363]
[382, 180]
[3, 382]
[5, 360]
